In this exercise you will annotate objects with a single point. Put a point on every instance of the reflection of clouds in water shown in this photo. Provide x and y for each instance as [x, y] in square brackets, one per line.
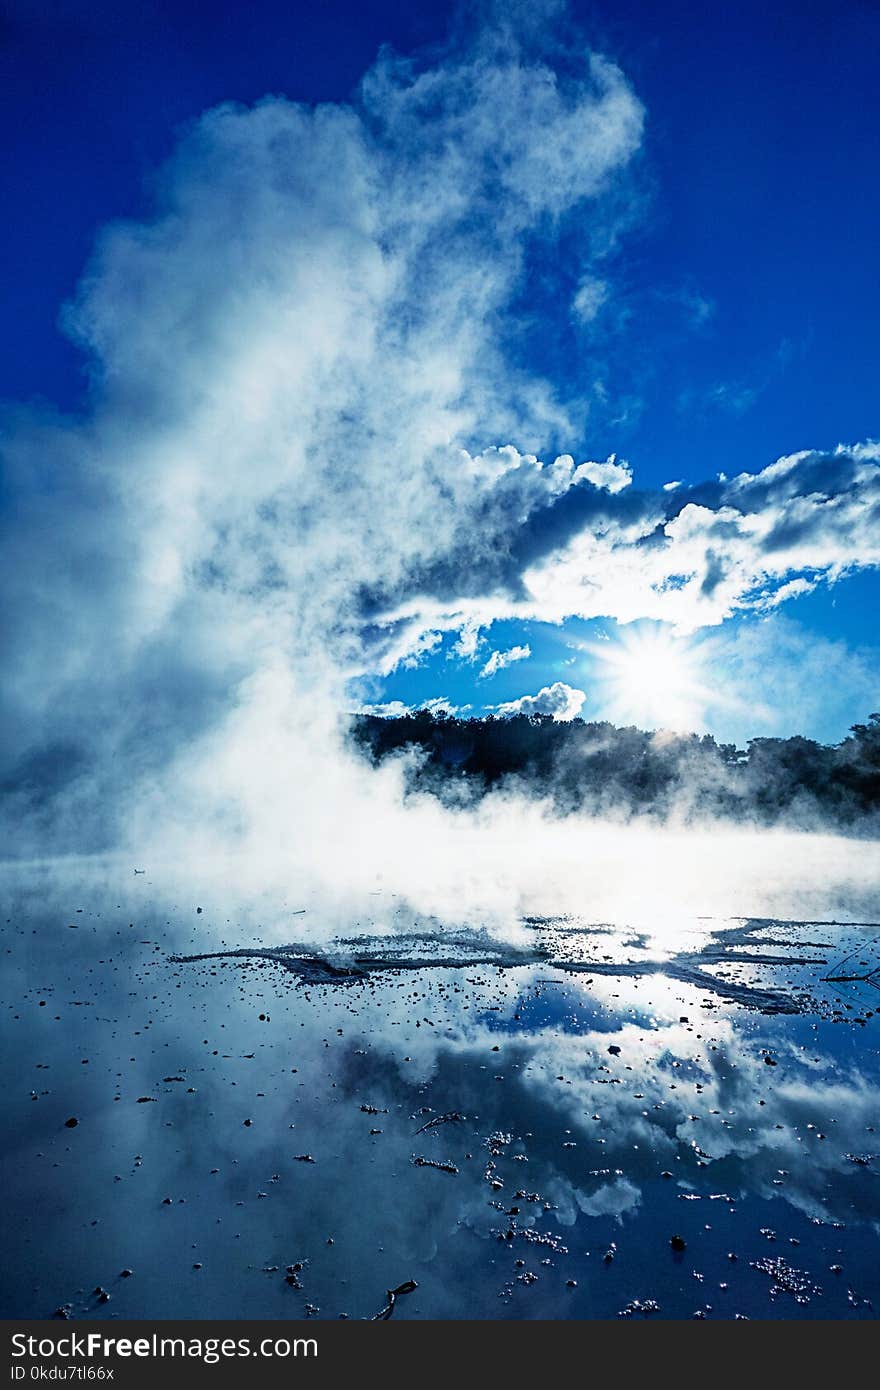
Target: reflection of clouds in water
[411, 1045]
[698, 1093]
[613, 1199]
[744, 1134]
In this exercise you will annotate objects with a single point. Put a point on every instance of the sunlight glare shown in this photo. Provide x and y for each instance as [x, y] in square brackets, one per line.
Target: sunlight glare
[651, 678]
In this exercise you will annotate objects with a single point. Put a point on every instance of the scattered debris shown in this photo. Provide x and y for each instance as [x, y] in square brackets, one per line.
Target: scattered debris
[645, 1306]
[420, 1162]
[786, 1279]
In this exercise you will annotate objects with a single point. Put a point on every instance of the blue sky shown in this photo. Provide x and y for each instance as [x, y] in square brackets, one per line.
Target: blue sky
[698, 298]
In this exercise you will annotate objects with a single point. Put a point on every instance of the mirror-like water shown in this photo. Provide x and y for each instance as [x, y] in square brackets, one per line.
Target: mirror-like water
[598, 1122]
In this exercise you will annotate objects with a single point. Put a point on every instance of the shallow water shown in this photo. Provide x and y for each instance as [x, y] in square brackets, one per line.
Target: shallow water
[672, 1125]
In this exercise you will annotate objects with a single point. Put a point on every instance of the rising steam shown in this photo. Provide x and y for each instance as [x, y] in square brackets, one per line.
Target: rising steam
[297, 465]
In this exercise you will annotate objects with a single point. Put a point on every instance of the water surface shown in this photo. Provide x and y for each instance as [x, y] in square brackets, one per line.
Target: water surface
[601, 1121]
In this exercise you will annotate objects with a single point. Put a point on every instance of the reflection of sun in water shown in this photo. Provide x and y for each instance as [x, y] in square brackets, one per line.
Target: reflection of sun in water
[651, 678]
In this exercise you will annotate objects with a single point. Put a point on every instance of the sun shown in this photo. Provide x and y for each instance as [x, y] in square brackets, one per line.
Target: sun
[651, 678]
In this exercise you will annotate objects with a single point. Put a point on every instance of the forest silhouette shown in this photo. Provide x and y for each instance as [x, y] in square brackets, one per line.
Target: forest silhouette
[602, 769]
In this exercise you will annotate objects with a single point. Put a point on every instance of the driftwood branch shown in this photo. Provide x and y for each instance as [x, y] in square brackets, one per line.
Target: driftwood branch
[393, 1295]
[451, 1117]
[843, 976]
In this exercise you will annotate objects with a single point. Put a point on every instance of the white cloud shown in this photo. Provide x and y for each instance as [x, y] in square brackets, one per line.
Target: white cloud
[498, 660]
[469, 642]
[396, 709]
[390, 709]
[725, 548]
[438, 704]
[424, 645]
[560, 700]
[610, 475]
[591, 295]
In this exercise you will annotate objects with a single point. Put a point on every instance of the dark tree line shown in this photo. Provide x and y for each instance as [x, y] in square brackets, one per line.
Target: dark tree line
[602, 768]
